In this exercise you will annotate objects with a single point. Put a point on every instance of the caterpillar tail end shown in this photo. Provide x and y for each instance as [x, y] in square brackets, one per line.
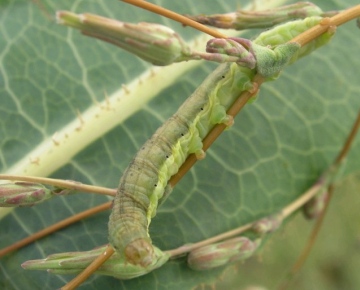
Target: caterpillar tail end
[140, 252]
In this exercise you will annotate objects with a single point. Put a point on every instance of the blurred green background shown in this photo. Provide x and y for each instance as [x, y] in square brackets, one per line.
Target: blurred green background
[334, 261]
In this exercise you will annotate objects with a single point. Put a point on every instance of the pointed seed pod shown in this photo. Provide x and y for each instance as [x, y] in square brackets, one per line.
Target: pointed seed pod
[75, 262]
[154, 43]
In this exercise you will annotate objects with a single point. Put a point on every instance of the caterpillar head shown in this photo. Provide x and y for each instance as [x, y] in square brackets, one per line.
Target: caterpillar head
[140, 252]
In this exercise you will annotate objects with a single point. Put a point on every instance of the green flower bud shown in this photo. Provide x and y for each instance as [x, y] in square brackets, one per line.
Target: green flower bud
[76, 262]
[23, 194]
[219, 254]
[241, 19]
[154, 43]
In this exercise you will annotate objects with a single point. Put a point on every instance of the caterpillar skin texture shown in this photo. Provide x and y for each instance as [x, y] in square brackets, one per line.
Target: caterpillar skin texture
[145, 182]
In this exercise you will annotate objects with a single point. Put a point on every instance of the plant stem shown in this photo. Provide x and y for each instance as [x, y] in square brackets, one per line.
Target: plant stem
[175, 16]
[101, 259]
[349, 140]
[69, 184]
[334, 21]
[55, 227]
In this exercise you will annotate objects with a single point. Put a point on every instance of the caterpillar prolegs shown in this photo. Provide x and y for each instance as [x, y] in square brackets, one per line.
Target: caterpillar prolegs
[145, 182]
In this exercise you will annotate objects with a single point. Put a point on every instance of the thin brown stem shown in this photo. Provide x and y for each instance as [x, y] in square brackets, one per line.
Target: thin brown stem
[55, 227]
[349, 140]
[324, 25]
[175, 16]
[101, 259]
[69, 184]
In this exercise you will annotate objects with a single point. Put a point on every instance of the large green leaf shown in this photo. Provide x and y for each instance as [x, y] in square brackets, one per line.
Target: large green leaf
[278, 146]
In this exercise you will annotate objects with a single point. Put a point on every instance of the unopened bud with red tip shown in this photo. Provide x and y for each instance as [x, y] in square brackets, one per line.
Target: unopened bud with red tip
[23, 194]
[216, 255]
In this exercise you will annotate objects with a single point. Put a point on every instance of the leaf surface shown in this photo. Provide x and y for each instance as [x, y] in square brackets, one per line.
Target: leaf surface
[277, 148]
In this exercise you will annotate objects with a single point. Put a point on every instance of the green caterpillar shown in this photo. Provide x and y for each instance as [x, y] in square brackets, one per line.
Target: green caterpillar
[145, 182]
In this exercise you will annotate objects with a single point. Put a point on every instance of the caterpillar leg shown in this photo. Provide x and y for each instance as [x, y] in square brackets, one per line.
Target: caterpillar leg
[200, 154]
[219, 116]
[228, 121]
[331, 29]
[254, 90]
[196, 145]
